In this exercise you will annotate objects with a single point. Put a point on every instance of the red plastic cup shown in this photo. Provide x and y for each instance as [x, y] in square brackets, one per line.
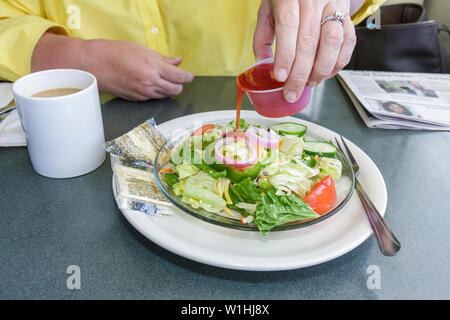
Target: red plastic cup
[272, 104]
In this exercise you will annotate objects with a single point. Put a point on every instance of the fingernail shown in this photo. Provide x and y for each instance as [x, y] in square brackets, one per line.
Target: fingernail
[282, 75]
[291, 96]
[312, 83]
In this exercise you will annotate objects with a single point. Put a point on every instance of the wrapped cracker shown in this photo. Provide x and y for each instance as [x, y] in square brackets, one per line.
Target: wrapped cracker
[140, 144]
[132, 156]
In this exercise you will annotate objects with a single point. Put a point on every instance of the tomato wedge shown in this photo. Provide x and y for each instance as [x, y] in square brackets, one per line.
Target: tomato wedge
[203, 129]
[322, 196]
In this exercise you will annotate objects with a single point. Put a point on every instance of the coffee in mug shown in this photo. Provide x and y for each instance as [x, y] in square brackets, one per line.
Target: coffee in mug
[60, 114]
[56, 92]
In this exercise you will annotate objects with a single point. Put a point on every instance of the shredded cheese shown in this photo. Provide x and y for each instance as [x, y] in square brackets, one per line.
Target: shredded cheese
[219, 188]
[228, 211]
[260, 152]
[227, 195]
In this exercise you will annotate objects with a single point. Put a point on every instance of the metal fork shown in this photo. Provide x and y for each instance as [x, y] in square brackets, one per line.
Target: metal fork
[387, 241]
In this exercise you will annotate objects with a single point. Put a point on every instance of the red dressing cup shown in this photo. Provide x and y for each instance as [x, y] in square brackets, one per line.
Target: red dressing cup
[266, 94]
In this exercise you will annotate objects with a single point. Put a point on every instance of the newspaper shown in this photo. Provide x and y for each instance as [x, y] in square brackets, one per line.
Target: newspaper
[392, 100]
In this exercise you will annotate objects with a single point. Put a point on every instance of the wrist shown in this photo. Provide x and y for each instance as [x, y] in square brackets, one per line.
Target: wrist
[92, 54]
[54, 51]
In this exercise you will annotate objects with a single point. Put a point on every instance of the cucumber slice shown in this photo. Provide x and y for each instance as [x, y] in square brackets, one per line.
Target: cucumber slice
[291, 128]
[321, 148]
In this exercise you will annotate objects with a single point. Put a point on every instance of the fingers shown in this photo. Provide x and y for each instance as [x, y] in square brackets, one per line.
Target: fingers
[134, 96]
[175, 61]
[143, 94]
[347, 48]
[168, 88]
[264, 32]
[287, 20]
[163, 79]
[158, 95]
[331, 40]
[307, 42]
[160, 88]
[174, 74]
[148, 94]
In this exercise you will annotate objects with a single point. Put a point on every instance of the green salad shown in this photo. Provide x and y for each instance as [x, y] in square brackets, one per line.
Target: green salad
[266, 176]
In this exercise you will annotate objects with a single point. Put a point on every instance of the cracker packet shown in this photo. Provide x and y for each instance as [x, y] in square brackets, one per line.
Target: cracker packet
[140, 144]
[136, 188]
[132, 156]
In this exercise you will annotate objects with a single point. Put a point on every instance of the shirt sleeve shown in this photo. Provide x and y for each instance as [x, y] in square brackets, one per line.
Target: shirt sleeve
[368, 8]
[20, 30]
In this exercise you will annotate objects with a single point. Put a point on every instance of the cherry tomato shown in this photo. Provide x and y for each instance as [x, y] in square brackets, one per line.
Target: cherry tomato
[322, 196]
[203, 129]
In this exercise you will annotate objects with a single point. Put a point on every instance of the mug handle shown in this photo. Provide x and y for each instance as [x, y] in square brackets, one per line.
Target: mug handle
[22, 121]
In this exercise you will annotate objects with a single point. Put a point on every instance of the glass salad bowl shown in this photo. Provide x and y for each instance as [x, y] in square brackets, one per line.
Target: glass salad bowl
[344, 185]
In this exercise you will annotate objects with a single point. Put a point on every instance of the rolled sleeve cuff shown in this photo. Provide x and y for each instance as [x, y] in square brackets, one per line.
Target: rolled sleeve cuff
[18, 38]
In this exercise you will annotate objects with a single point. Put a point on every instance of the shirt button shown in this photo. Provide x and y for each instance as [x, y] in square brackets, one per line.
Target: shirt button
[155, 30]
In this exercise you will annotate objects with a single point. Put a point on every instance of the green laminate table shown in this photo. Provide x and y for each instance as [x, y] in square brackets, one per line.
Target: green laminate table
[48, 225]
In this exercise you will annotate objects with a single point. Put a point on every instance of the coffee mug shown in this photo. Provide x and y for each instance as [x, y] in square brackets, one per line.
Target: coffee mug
[64, 134]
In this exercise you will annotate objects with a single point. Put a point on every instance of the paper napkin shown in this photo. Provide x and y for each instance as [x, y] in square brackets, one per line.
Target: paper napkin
[11, 132]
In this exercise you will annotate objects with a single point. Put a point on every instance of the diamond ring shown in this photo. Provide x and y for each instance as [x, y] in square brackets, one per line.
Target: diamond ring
[338, 16]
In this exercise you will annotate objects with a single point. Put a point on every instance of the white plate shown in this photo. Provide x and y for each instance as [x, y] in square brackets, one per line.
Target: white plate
[200, 241]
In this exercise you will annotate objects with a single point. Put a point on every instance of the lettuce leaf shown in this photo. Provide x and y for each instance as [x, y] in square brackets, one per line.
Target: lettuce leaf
[171, 178]
[179, 187]
[203, 180]
[292, 177]
[244, 191]
[330, 166]
[196, 196]
[194, 157]
[265, 185]
[285, 183]
[273, 210]
[292, 145]
[199, 191]
[242, 124]
[186, 170]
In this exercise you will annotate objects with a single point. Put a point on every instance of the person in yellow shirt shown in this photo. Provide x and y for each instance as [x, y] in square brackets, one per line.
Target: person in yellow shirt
[146, 49]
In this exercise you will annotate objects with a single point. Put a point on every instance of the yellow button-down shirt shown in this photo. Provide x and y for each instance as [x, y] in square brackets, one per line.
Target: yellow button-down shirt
[214, 37]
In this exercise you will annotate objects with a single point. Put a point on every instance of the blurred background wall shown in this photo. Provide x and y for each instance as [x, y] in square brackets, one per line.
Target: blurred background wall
[400, 1]
[438, 10]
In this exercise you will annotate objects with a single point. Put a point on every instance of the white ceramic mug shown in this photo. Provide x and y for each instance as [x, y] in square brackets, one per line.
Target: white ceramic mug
[64, 134]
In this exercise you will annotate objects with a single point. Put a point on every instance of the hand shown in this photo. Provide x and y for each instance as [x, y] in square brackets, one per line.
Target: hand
[134, 72]
[306, 53]
[124, 69]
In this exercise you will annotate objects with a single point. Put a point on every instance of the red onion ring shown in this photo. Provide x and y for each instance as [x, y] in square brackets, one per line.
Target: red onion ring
[233, 162]
[266, 139]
